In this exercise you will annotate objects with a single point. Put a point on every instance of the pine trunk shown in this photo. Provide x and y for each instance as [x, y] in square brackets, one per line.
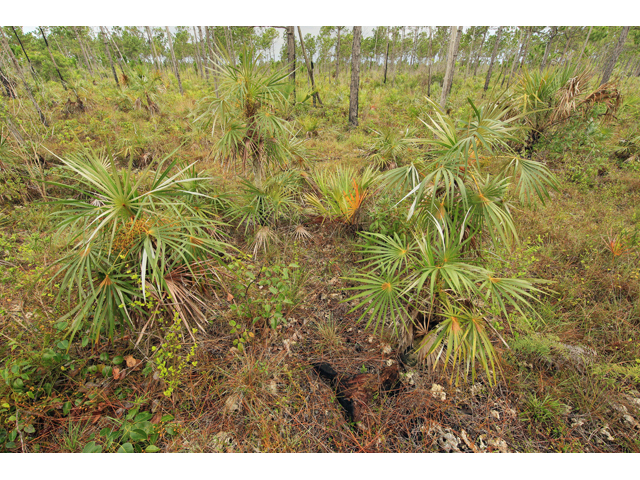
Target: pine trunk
[153, 48]
[454, 43]
[173, 59]
[429, 63]
[106, 47]
[484, 38]
[338, 55]
[585, 45]
[355, 76]
[16, 65]
[613, 58]
[64, 85]
[316, 95]
[84, 53]
[291, 58]
[386, 60]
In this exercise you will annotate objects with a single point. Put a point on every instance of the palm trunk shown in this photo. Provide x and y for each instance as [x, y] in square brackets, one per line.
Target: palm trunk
[173, 59]
[16, 65]
[64, 85]
[316, 95]
[613, 58]
[106, 47]
[355, 76]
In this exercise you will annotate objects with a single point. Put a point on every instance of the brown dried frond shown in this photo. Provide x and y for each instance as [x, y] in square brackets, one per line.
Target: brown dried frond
[608, 95]
[301, 234]
[264, 236]
[567, 96]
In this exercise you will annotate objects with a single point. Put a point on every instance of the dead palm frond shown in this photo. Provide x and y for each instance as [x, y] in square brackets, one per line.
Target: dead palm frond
[567, 96]
[301, 234]
[264, 237]
[608, 95]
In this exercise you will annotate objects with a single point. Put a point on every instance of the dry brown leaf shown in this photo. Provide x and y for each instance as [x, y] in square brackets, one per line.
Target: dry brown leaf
[116, 373]
[132, 362]
[229, 297]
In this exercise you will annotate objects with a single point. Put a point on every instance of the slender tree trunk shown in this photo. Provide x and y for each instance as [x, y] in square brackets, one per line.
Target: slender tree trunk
[106, 47]
[471, 49]
[386, 60]
[316, 95]
[613, 58]
[121, 60]
[205, 57]
[173, 59]
[516, 56]
[8, 84]
[547, 50]
[291, 58]
[454, 42]
[430, 61]
[214, 55]
[570, 34]
[484, 37]
[84, 53]
[453, 35]
[355, 76]
[229, 40]
[375, 53]
[526, 47]
[338, 54]
[584, 46]
[153, 48]
[196, 53]
[6, 116]
[33, 72]
[64, 85]
[16, 65]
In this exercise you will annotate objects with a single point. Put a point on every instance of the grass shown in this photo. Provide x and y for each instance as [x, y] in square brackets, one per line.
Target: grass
[584, 239]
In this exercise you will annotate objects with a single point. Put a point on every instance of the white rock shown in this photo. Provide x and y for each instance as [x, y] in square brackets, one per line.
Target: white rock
[272, 388]
[628, 419]
[233, 403]
[476, 388]
[605, 431]
[498, 443]
[437, 391]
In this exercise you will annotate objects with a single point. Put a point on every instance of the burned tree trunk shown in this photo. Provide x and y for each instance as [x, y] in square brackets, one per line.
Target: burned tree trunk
[355, 76]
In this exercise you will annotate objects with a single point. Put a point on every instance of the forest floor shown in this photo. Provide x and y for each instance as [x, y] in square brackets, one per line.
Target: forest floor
[568, 383]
